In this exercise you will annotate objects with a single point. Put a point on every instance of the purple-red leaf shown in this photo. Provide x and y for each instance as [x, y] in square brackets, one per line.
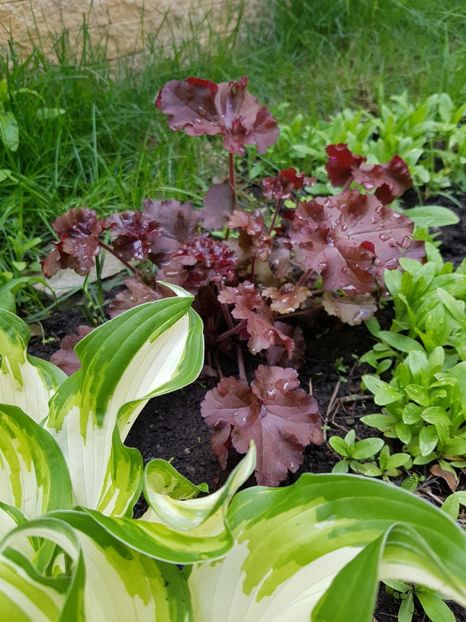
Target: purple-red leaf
[274, 412]
[284, 183]
[390, 180]
[341, 163]
[65, 358]
[250, 306]
[177, 222]
[253, 234]
[202, 107]
[78, 243]
[190, 106]
[277, 355]
[133, 234]
[219, 203]
[200, 261]
[349, 240]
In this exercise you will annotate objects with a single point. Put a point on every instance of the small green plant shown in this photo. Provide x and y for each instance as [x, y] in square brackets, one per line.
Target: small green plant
[424, 407]
[453, 503]
[354, 454]
[431, 602]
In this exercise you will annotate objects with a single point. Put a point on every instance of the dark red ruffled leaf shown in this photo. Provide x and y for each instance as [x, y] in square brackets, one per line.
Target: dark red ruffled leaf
[135, 293]
[285, 183]
[200, 261]
[190, 106]
[349, 240]
[65, 358]
[78, 243]
[390, 180]
[341, 163]
[202, 107]
[277, 355]
[219, 203]
[133, 234]
[177, 222]
[250, 306]
[274, 412]
[253, 239]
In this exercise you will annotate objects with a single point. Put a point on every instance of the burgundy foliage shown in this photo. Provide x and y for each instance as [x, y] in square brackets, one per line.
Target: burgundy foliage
[202, 107]
[285, 183]
[253, 239]
[219, 203]
[273, 267]
[65, 358]
[177, 223]
[133, 234]
[389, 180]
[341, 163]
[78, 243]
[273, 411]
[250, 306]
[349, 240]
[200, 261]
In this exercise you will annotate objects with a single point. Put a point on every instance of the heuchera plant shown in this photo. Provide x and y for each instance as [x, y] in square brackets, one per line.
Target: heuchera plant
[255, 265]
[71, 548]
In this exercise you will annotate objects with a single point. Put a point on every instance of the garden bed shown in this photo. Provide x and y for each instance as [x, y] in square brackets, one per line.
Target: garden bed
[171, 426]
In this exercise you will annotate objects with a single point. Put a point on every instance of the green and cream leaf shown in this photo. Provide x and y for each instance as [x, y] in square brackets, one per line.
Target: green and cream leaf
[25, 381]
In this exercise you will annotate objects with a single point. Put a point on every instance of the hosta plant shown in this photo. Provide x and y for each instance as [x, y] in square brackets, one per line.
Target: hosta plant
[71, 549]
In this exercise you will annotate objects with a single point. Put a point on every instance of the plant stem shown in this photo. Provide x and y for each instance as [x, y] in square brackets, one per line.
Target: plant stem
[232, 176]
[274, 217]
[239, 352]
[230, 331]
[127, 265]
[240, 359]
[304, 277]
[232, 184]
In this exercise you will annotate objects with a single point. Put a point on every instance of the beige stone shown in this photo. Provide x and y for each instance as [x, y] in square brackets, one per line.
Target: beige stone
[129, 24]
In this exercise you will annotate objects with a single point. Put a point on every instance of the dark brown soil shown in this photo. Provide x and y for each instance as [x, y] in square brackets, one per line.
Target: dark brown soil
[171, 427]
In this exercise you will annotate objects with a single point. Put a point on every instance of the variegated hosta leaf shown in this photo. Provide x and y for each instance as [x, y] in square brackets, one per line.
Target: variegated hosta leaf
[33, 474]
[176, 530]
[290, 544]
[105, 580]
[26, 594]
[149, 350]
[25, 381]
